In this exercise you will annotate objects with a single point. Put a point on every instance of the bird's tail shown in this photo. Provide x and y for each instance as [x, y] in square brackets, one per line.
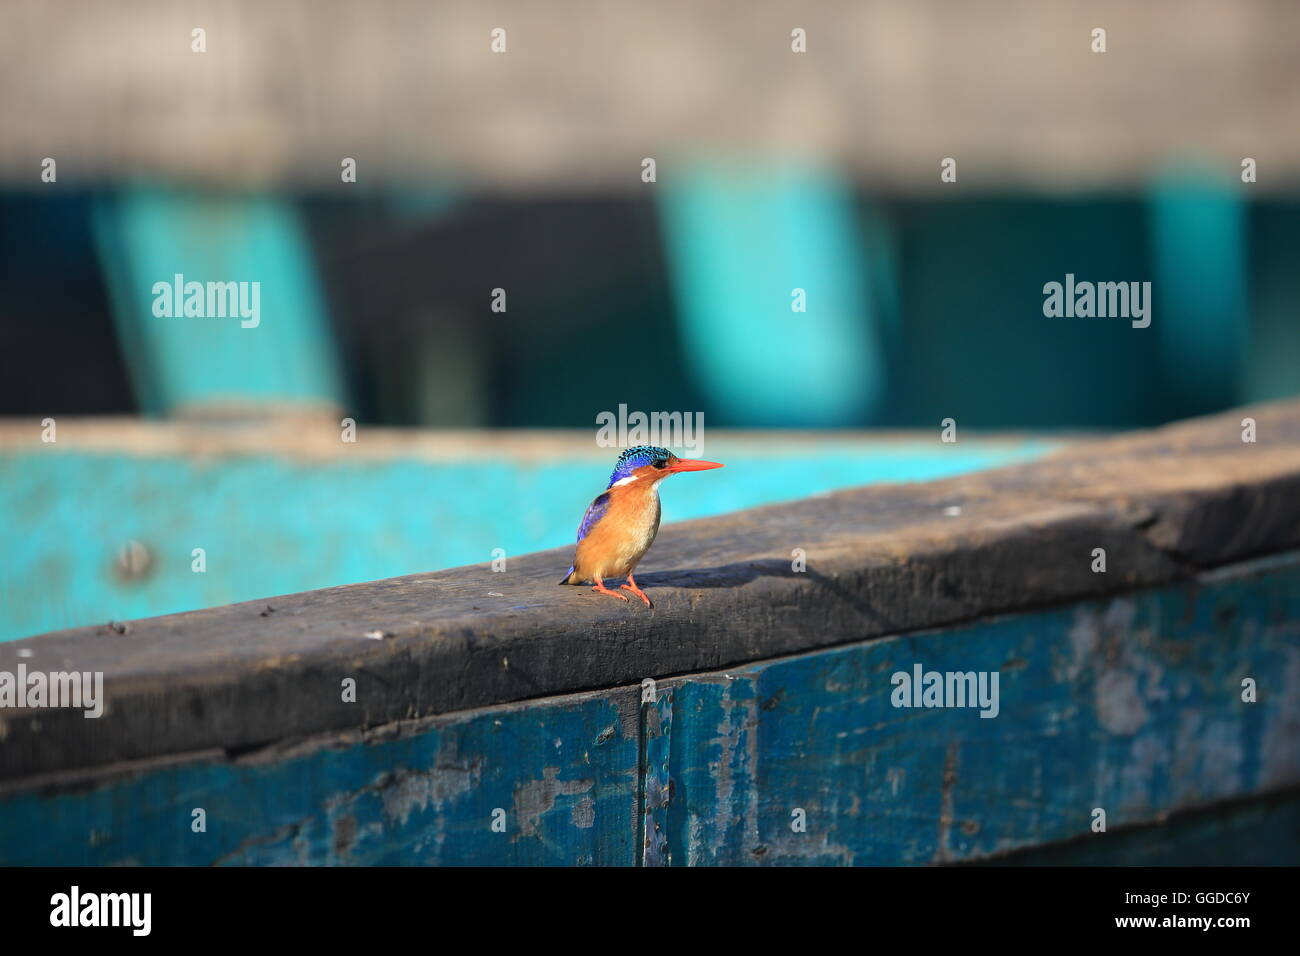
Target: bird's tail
[568, 577]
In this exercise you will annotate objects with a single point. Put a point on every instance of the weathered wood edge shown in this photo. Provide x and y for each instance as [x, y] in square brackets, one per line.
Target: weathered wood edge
[880, 559]
[315, 438]
[1153, 842]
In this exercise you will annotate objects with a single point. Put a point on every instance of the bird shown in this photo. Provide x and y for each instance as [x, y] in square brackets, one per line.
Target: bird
[620, 525]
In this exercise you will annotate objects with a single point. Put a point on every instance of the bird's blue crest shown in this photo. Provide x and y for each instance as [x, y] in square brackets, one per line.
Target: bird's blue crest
[635, 458]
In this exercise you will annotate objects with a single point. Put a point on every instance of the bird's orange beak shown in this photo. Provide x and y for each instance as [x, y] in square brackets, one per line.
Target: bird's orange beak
[692, 464]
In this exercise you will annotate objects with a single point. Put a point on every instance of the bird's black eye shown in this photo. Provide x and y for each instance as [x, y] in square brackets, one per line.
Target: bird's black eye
[660, 463]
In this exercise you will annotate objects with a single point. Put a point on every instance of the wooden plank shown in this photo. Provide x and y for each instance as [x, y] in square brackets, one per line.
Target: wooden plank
[1200, 229]
[266, 348]
[656, 778]
[1262, 832]
[560, 776]
[738, 246]
[1132, 705]
[880, 560]
[316, 441]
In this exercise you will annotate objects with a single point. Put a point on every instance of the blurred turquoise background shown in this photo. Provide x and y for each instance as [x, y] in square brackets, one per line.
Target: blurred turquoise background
[914, 309]
[378, 309]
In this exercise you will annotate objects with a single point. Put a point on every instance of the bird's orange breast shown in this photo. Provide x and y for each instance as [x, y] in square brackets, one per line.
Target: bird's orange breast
[624, 533]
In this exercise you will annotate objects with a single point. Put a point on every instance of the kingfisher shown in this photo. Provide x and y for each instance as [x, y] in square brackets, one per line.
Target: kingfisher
[621, 524]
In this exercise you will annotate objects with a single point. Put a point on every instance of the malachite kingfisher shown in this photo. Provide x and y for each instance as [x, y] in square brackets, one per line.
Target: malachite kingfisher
[621, 524]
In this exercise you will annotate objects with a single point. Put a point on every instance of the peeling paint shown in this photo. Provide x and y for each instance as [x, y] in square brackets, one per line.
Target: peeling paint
[536, 798]
[1120, 708]
[407, 791]
[1281, 743]
[583, 812]
[345, 835]
[1128, 704]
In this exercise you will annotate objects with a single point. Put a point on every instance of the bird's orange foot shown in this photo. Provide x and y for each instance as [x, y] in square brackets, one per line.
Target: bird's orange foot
[600, 588]
[631, 586]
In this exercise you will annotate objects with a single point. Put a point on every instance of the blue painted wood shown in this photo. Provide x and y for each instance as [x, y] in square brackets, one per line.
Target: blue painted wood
[656, 776]
[1131, 705]
[147, 236]
[273, 524]
[563, 773]
[1257, 832]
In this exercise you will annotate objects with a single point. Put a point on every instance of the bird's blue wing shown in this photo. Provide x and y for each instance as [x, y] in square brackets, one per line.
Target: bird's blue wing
[594, 513]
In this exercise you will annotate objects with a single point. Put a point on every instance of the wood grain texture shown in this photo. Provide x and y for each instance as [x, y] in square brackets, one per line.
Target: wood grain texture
[1254, 832]
[1132, 705]
[558, 778]
[880, 560]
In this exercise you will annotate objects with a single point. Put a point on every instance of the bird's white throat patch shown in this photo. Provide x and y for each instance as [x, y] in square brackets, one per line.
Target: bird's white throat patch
[631, 478]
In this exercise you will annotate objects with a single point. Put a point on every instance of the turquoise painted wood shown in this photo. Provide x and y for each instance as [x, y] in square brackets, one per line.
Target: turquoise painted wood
[274, 525]
[738, 245]
[558, 778]
[1133, 706]
[1198, 228]
[148, 236]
